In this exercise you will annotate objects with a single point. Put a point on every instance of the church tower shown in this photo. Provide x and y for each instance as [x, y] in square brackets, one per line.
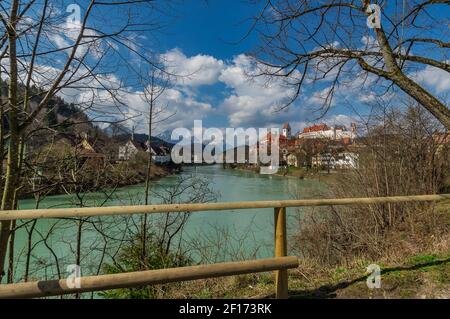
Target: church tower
[286, 130]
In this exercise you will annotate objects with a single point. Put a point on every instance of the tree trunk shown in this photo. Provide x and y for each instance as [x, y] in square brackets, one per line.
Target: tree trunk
[78, 253]
[410, 87]
[426, 99]
[12, 171]
[11, 253]
[147, 179]
[29, 250]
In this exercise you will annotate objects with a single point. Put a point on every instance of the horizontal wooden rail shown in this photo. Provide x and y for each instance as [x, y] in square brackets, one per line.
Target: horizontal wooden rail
[163, 208]
[142, 278]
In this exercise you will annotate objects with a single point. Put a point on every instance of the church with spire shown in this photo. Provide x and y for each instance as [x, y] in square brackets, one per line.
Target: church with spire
[286, 130]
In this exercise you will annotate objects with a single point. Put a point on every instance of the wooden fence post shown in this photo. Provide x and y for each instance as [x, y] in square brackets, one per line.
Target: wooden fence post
[281, 276]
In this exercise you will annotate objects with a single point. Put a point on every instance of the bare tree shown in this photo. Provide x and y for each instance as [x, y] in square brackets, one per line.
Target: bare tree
[156, 113]
[43, 47]
[157, 84]
[401, 154]
[311, 40]
[165, 245]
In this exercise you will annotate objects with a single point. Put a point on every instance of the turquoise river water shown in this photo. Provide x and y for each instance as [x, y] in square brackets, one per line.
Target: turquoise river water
[213, 236]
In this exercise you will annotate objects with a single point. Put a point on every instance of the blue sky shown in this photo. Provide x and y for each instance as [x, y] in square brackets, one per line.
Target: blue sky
[219, 29]
[210, 27]
[216, 29]
[202, 41]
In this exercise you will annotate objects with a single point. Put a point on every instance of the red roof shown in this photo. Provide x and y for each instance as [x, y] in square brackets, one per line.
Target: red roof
[286, 125]
[442, 138]
[316, 128]
[281, 138]
[346, 140]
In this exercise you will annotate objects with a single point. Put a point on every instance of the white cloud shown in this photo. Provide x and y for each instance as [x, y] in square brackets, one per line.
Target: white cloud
[250, 101]
[65, 35]
[367, 98]
[369, 43]
[192, 71]
[254, 101]
[340, 119]
[248, 111]
[241, 77]
[322, 97]
[433, 77]
[175, 105]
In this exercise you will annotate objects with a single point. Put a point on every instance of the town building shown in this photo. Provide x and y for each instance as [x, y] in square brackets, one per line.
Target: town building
[326, 160]
[346, 160]
[292, 160]
[79, 147]
[282, 140]
[130, 149]
[160, 154]
[286, 131]
[343, 160]
[319, 145]
[334, 133]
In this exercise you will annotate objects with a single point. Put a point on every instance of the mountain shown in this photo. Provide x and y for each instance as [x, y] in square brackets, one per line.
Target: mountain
[166, 136]
[245, 149]
[116, 129]
[156, 141]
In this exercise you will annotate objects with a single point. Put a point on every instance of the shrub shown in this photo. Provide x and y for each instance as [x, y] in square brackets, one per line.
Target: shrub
[130, 259]
[400, 155]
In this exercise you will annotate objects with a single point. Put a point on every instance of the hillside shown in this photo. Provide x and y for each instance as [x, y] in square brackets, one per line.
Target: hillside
[67, 119]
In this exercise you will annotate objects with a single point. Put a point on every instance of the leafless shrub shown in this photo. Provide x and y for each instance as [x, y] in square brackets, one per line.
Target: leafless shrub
[404, 153]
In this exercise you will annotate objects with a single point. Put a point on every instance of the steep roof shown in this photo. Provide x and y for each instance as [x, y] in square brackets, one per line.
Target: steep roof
[139, 145]
[281, 138]
[160, 150]
[286, 125]
[316, 128]
[441, 138]
[77, 141]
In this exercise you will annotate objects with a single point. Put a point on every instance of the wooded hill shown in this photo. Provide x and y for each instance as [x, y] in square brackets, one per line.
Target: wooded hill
[60, 119]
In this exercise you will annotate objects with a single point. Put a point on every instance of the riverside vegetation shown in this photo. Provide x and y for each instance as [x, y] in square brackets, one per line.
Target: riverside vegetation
[409, 241]
[404, 151]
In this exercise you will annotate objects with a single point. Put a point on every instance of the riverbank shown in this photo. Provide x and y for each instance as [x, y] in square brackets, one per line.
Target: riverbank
[207, 236]
[137, 175]
[421, 276]
[297, 173]
[237, 235]
[417, 275]
[111, 176]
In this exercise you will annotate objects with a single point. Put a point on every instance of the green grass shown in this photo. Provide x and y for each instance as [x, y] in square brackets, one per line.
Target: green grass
[425, 275]
[420, 259]
[421, 275]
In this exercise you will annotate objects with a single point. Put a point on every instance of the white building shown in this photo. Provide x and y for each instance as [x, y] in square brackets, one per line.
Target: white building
[129, 150]
[160, 155]
[323, 160]
[324, 131]
[346, 160]
[286, 130]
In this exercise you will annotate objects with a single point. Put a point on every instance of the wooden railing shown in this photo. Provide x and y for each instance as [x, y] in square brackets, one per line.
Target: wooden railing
[280, 263]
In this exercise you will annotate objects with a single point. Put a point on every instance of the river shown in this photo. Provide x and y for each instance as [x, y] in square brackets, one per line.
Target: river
[225, 235]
